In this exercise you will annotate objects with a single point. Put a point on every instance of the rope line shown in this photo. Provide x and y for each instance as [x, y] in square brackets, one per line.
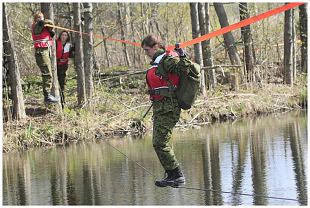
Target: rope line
[213, 190]
[205, 37]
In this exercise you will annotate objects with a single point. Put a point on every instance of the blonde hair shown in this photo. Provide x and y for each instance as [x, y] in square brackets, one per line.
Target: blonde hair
[36, 15]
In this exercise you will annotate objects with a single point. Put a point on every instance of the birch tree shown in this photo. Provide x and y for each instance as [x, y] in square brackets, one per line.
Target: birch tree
[78, 59]
[88, 49]
[303, 36]
[288, 48]
[196, 33]
[13, 69]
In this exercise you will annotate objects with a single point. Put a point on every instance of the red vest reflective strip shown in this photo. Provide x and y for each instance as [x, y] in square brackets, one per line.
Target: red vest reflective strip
[62, 53]
[43, 40]
[156, 82]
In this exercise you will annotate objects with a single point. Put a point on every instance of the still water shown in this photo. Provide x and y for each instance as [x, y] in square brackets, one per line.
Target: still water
[262, 157]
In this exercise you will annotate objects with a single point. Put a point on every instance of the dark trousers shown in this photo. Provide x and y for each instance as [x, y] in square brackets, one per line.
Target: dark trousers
[61, 74]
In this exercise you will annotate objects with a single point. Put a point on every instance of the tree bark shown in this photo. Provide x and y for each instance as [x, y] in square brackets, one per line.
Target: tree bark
[123, 26]
[288, 48]
[48, 11]
[228, 37]
[202, 25]
[106, 49]
[195, 34]
[247, 42]
[13, 69]
[230, 45]
[78, 59]
[208, 60]
[88, 50]
[303, 36]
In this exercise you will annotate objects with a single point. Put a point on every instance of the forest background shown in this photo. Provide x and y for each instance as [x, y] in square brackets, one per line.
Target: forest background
[254, 70]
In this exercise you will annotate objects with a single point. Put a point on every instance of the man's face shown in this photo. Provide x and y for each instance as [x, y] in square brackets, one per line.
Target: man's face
[150, 51]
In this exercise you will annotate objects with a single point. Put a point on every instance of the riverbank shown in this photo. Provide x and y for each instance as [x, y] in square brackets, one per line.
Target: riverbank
[119, 110]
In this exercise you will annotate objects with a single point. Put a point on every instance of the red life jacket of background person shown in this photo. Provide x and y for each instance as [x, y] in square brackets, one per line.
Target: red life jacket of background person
[156, 82]
[62, 53]
[42, 40]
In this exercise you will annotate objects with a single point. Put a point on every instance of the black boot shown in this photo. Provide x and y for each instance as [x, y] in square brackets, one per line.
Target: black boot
[174, 178]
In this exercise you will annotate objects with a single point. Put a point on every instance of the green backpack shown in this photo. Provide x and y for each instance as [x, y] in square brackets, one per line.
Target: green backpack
[188, 88]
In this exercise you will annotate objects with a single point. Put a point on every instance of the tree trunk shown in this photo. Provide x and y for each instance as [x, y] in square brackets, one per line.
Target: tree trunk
[202, 25]
[247, 42]
[122, 25]
[88, 50]
[288, 48]
[106, 49]
[208, 60]
[303, 36]
[228, 37]
[78, 59]
[48, 11]
[229, 43]
[195, 34]
[13, 69]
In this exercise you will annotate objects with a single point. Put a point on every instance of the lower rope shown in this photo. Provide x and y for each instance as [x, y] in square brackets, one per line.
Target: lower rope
[206, 190]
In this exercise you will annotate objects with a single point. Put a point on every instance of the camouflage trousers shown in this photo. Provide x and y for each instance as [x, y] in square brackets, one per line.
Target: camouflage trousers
[44, 62]
[166, 114]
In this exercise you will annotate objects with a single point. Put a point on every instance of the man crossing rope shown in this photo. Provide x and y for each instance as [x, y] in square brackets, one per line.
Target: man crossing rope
[43, 39]
[166, 110]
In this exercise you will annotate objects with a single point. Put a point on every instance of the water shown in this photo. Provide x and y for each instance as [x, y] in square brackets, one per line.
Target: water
[263, 157]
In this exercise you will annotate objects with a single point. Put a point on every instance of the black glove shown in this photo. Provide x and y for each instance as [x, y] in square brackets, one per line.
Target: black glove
[52, 33]
[179, 50]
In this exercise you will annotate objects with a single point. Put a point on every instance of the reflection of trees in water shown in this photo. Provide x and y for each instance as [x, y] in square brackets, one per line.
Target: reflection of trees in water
[212, 172]
[239, 170]
[298, 161]
[96, 174]
[258, 161]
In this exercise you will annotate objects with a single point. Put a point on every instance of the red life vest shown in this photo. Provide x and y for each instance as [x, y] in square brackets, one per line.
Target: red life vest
[62, 53]
[42, 40]
[157, 82]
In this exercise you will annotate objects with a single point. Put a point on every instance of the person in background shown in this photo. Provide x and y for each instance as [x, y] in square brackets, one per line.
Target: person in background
[64, 51]
[43, 40]
[162, 78]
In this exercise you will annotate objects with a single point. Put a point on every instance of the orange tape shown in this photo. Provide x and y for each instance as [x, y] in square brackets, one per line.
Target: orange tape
[207, 36]
[95, 35]
[238, 25]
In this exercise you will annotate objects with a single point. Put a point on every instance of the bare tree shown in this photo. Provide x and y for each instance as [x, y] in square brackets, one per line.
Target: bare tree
[247, 42]
[229, 43]
[208, 59]
[78, 59]
[202, 25]
[303, 36]
[88, 49]
[195, 34]
[288, 48]
[13, 69]
[48, 11]
[123, 28]
[228, 37]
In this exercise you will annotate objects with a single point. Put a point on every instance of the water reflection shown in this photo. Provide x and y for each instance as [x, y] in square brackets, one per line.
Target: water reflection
[264, 157]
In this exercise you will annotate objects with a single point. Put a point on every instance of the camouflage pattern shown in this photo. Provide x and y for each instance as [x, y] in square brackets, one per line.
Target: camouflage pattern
[166, 114]
[43, 60]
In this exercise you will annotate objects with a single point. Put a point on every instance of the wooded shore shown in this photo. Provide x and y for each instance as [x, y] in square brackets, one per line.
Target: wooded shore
[119, 111]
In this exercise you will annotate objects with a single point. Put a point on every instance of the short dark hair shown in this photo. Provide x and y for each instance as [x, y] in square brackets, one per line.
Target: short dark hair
[68, 40]
[152, 40]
